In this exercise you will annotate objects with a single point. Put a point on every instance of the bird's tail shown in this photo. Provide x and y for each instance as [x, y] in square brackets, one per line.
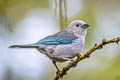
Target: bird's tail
[24, 46]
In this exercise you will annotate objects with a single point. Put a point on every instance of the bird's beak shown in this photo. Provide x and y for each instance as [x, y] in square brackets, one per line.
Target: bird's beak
[86, 25]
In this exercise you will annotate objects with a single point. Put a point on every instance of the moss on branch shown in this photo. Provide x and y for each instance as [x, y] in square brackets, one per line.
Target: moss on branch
[86, 55]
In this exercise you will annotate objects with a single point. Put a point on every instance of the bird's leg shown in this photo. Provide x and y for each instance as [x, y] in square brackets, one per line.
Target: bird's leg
[58, 71]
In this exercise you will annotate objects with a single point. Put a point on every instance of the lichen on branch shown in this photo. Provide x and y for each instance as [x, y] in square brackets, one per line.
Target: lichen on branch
[86, 55]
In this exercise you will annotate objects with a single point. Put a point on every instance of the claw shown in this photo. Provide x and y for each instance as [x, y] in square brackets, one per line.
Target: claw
[58, 71]
[58, 74]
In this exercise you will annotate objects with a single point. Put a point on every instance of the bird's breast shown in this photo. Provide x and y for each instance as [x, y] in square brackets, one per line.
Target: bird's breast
[78, 44]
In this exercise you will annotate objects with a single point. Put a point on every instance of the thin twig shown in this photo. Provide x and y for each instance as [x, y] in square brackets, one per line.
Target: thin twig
[65, 12]
[61, 15]
[55, 13]
[86, 55]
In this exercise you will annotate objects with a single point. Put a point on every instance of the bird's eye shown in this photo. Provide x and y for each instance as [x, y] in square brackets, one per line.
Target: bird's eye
[77, 25]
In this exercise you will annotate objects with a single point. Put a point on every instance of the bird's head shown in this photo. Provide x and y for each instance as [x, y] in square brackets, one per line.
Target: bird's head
[78, 27]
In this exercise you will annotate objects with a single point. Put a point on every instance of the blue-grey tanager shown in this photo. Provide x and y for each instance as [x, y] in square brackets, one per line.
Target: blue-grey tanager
[62, 46]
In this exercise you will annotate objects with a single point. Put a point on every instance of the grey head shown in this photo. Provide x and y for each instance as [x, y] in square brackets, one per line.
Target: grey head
[78, 27]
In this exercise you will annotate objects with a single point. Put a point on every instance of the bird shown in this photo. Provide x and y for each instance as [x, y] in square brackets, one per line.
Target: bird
[63, 45]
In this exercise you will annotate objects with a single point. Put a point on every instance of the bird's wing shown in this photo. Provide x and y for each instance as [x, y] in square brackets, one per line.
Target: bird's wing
[62, 37]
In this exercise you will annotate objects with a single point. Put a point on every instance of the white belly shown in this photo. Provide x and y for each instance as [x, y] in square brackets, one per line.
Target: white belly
[69, 51]
[65, 52]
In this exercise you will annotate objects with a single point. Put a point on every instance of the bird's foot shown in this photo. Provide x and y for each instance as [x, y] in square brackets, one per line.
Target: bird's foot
[58, 74]
[71, 62]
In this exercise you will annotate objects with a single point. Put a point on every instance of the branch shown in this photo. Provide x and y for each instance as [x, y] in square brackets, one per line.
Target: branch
[86, 55]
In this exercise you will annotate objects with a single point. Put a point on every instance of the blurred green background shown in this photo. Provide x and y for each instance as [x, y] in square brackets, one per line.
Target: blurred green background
[27, 21]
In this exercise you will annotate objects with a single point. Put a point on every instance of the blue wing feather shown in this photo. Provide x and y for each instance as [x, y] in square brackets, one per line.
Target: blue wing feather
[62, 37]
